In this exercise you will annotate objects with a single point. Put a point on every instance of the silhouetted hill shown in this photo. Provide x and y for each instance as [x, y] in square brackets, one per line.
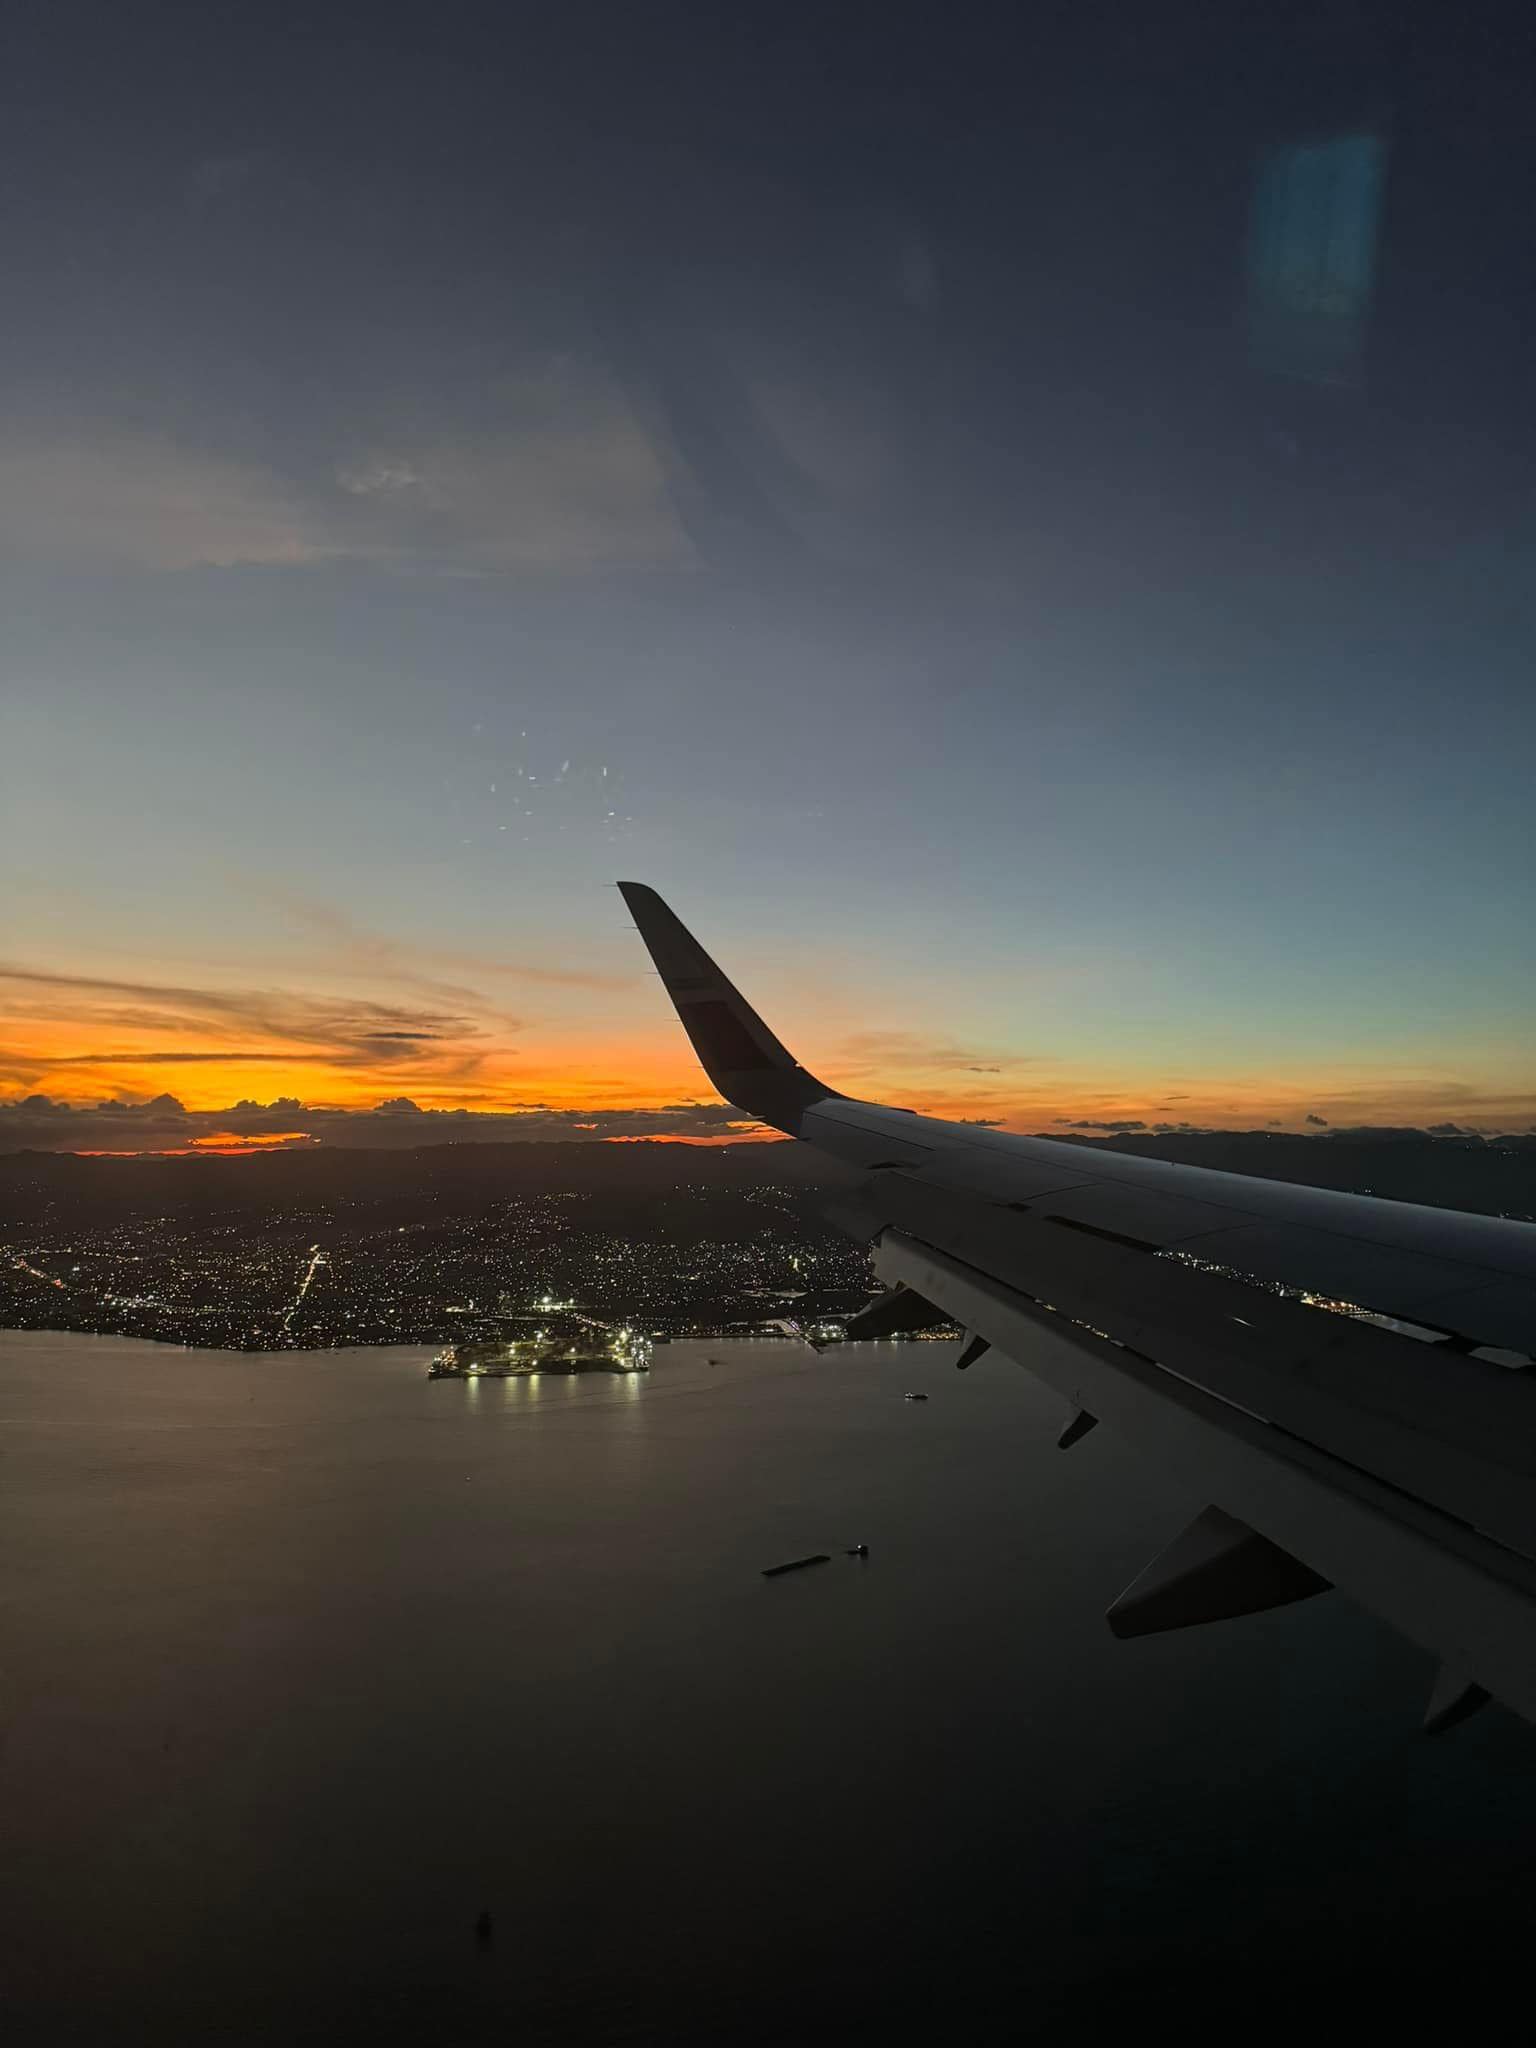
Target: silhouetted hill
[1493, 1178]
[70, 1187]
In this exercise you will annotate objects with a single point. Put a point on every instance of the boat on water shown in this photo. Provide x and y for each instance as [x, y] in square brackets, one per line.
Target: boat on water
[796, 1564]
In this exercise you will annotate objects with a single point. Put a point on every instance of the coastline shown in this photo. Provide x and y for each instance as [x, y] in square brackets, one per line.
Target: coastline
[772, 1335]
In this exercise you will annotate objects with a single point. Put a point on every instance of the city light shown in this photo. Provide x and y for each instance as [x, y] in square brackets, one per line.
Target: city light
[530, 1275]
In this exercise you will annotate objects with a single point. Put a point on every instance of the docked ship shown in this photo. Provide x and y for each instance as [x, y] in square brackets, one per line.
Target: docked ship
[594, 1349]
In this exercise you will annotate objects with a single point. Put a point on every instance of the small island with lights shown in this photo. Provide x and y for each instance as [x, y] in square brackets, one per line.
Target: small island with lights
[596, 1348]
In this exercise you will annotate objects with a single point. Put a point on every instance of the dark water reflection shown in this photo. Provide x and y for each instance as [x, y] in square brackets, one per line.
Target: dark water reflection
[308, 1663]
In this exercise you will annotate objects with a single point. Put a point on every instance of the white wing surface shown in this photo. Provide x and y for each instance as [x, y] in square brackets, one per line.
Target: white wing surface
[1348, 1381]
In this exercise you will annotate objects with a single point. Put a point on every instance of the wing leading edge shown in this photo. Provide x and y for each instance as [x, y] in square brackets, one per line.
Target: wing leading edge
[1352, 1377]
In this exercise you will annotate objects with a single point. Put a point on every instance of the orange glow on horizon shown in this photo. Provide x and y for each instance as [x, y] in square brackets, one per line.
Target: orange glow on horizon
[84, 1043]
[226, 1141]
[758, 1137]
[251, 1150]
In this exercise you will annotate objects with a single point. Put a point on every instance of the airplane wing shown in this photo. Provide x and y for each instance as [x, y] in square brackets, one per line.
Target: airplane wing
[1348, 1381]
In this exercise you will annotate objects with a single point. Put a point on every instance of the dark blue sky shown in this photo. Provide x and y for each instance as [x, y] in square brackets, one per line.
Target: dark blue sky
[1008, 603]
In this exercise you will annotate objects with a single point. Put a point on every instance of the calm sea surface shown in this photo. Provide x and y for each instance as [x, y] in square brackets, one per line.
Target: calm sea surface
[307, 1662]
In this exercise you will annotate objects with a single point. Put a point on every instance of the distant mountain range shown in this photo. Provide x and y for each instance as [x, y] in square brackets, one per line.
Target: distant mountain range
[1491, 1178]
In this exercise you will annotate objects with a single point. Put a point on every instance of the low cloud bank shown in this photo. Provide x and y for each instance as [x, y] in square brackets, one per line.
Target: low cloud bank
[164, 1124]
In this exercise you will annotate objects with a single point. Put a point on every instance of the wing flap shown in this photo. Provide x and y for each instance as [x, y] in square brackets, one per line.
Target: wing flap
[1216, 1570]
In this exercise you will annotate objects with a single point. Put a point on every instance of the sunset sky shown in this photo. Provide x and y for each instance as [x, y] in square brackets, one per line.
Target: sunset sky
[836, 481]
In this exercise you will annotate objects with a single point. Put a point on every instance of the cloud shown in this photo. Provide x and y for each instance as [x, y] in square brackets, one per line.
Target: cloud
[1320, 1121]
[164, 1124]
[823, 435]
[1084, 1123]
[558, 472]
[1130, 1126]
[126, 498]
[1355, 1133]
[550, 470]
[1379, 1133]
[338, 1023]
[117, 1030]
[351, 946]
[378, 474]
[878, 1051]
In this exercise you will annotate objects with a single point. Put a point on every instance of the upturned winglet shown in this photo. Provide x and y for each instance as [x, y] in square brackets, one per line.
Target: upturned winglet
[741, 1056]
